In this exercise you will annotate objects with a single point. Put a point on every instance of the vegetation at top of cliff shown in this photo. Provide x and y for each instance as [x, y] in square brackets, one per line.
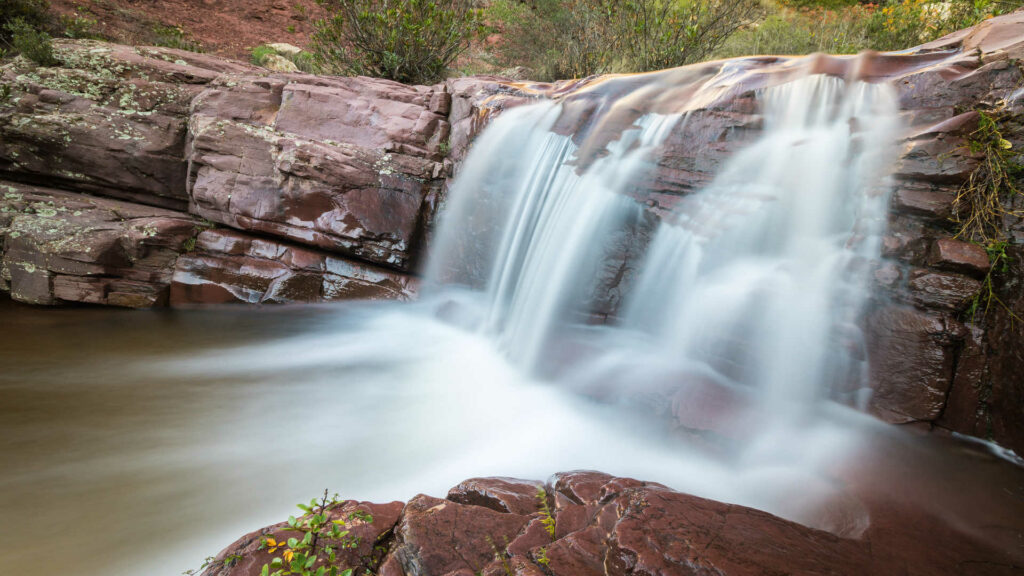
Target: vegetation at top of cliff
[412, 41]
[849, 26]
[576, 38]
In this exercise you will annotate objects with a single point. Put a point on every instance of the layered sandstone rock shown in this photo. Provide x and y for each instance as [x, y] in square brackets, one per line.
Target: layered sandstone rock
[228, 266]
[601, 525]
[66, 247]
[344, 164]
[108, 120]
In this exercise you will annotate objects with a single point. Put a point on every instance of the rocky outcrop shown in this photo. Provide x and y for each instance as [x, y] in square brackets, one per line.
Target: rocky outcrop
[351, 168]
[345, 164]
[583, 523]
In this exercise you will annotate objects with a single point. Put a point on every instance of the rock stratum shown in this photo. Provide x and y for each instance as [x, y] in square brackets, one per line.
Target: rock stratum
[589, 523]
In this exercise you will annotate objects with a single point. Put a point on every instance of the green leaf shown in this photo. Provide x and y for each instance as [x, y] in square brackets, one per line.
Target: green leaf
[293, 542]
[266, 568]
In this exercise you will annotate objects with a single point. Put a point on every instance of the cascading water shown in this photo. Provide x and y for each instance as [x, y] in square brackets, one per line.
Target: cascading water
[760, 278]
[546, 221]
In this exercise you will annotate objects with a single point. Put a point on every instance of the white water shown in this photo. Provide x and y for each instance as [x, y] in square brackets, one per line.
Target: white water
[762, 278]
[740, 321]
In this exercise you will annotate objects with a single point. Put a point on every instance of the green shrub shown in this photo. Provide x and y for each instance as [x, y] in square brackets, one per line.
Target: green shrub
[838, 27]
[33, 44]
[411, 41]
[304, 61]
[575, 38]
[796, 32]
[260, 53]
[79, 27]
[174, 37]
[35, 13]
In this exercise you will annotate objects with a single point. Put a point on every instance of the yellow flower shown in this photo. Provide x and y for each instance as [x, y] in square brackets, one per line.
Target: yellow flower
[288, 555]
[271, 544]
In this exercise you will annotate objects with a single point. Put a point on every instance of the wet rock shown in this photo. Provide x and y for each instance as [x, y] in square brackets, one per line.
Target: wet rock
[499, 494]
[438, 536]
[924, 200]
[227, 266]
[942, 290]
[911, 361]
[349, 165]
[619, 526]
[957, 256]
[61, 247]
[367, 525]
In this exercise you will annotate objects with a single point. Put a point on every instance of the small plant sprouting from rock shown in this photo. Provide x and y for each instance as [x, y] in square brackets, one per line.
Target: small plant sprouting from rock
[316, 553]
[986, 199]
[542, 556]
[228, 561]
[546, 518]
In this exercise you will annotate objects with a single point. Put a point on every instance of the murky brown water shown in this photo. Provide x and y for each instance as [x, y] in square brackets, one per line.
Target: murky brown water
[139, 442]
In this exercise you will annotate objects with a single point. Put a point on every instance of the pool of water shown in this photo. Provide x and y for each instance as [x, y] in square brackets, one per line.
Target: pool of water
[140, 442]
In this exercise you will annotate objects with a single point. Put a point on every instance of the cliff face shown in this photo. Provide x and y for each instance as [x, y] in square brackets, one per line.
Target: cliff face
[147, 177]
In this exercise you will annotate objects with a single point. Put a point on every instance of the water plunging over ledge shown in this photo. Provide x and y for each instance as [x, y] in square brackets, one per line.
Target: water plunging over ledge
[727, 371]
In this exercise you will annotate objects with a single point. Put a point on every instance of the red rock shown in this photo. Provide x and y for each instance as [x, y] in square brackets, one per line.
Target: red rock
[109, 120]
[942, 290]
[438, 536]
[911, 363]
[228, 266]
[957, 256]
[499, 494]
[923, 200]
[62, 247]
[244, 557]
[643, 528]
[348, 165]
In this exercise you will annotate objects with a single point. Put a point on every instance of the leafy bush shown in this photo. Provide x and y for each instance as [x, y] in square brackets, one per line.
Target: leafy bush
[303, 60]
[34, 13]
[575, 38]
[33, 44]
[260, 53]
[79, 27]
[174, 37]
[411, 41]
[841, 27]
[801, 32]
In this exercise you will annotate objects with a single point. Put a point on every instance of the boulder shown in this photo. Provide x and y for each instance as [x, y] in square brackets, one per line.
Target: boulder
[608, 526]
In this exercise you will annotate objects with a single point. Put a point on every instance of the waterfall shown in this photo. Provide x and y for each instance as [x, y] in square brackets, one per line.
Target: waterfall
[753, 285]
[713, 368]
[544, 221]
[762, 276]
